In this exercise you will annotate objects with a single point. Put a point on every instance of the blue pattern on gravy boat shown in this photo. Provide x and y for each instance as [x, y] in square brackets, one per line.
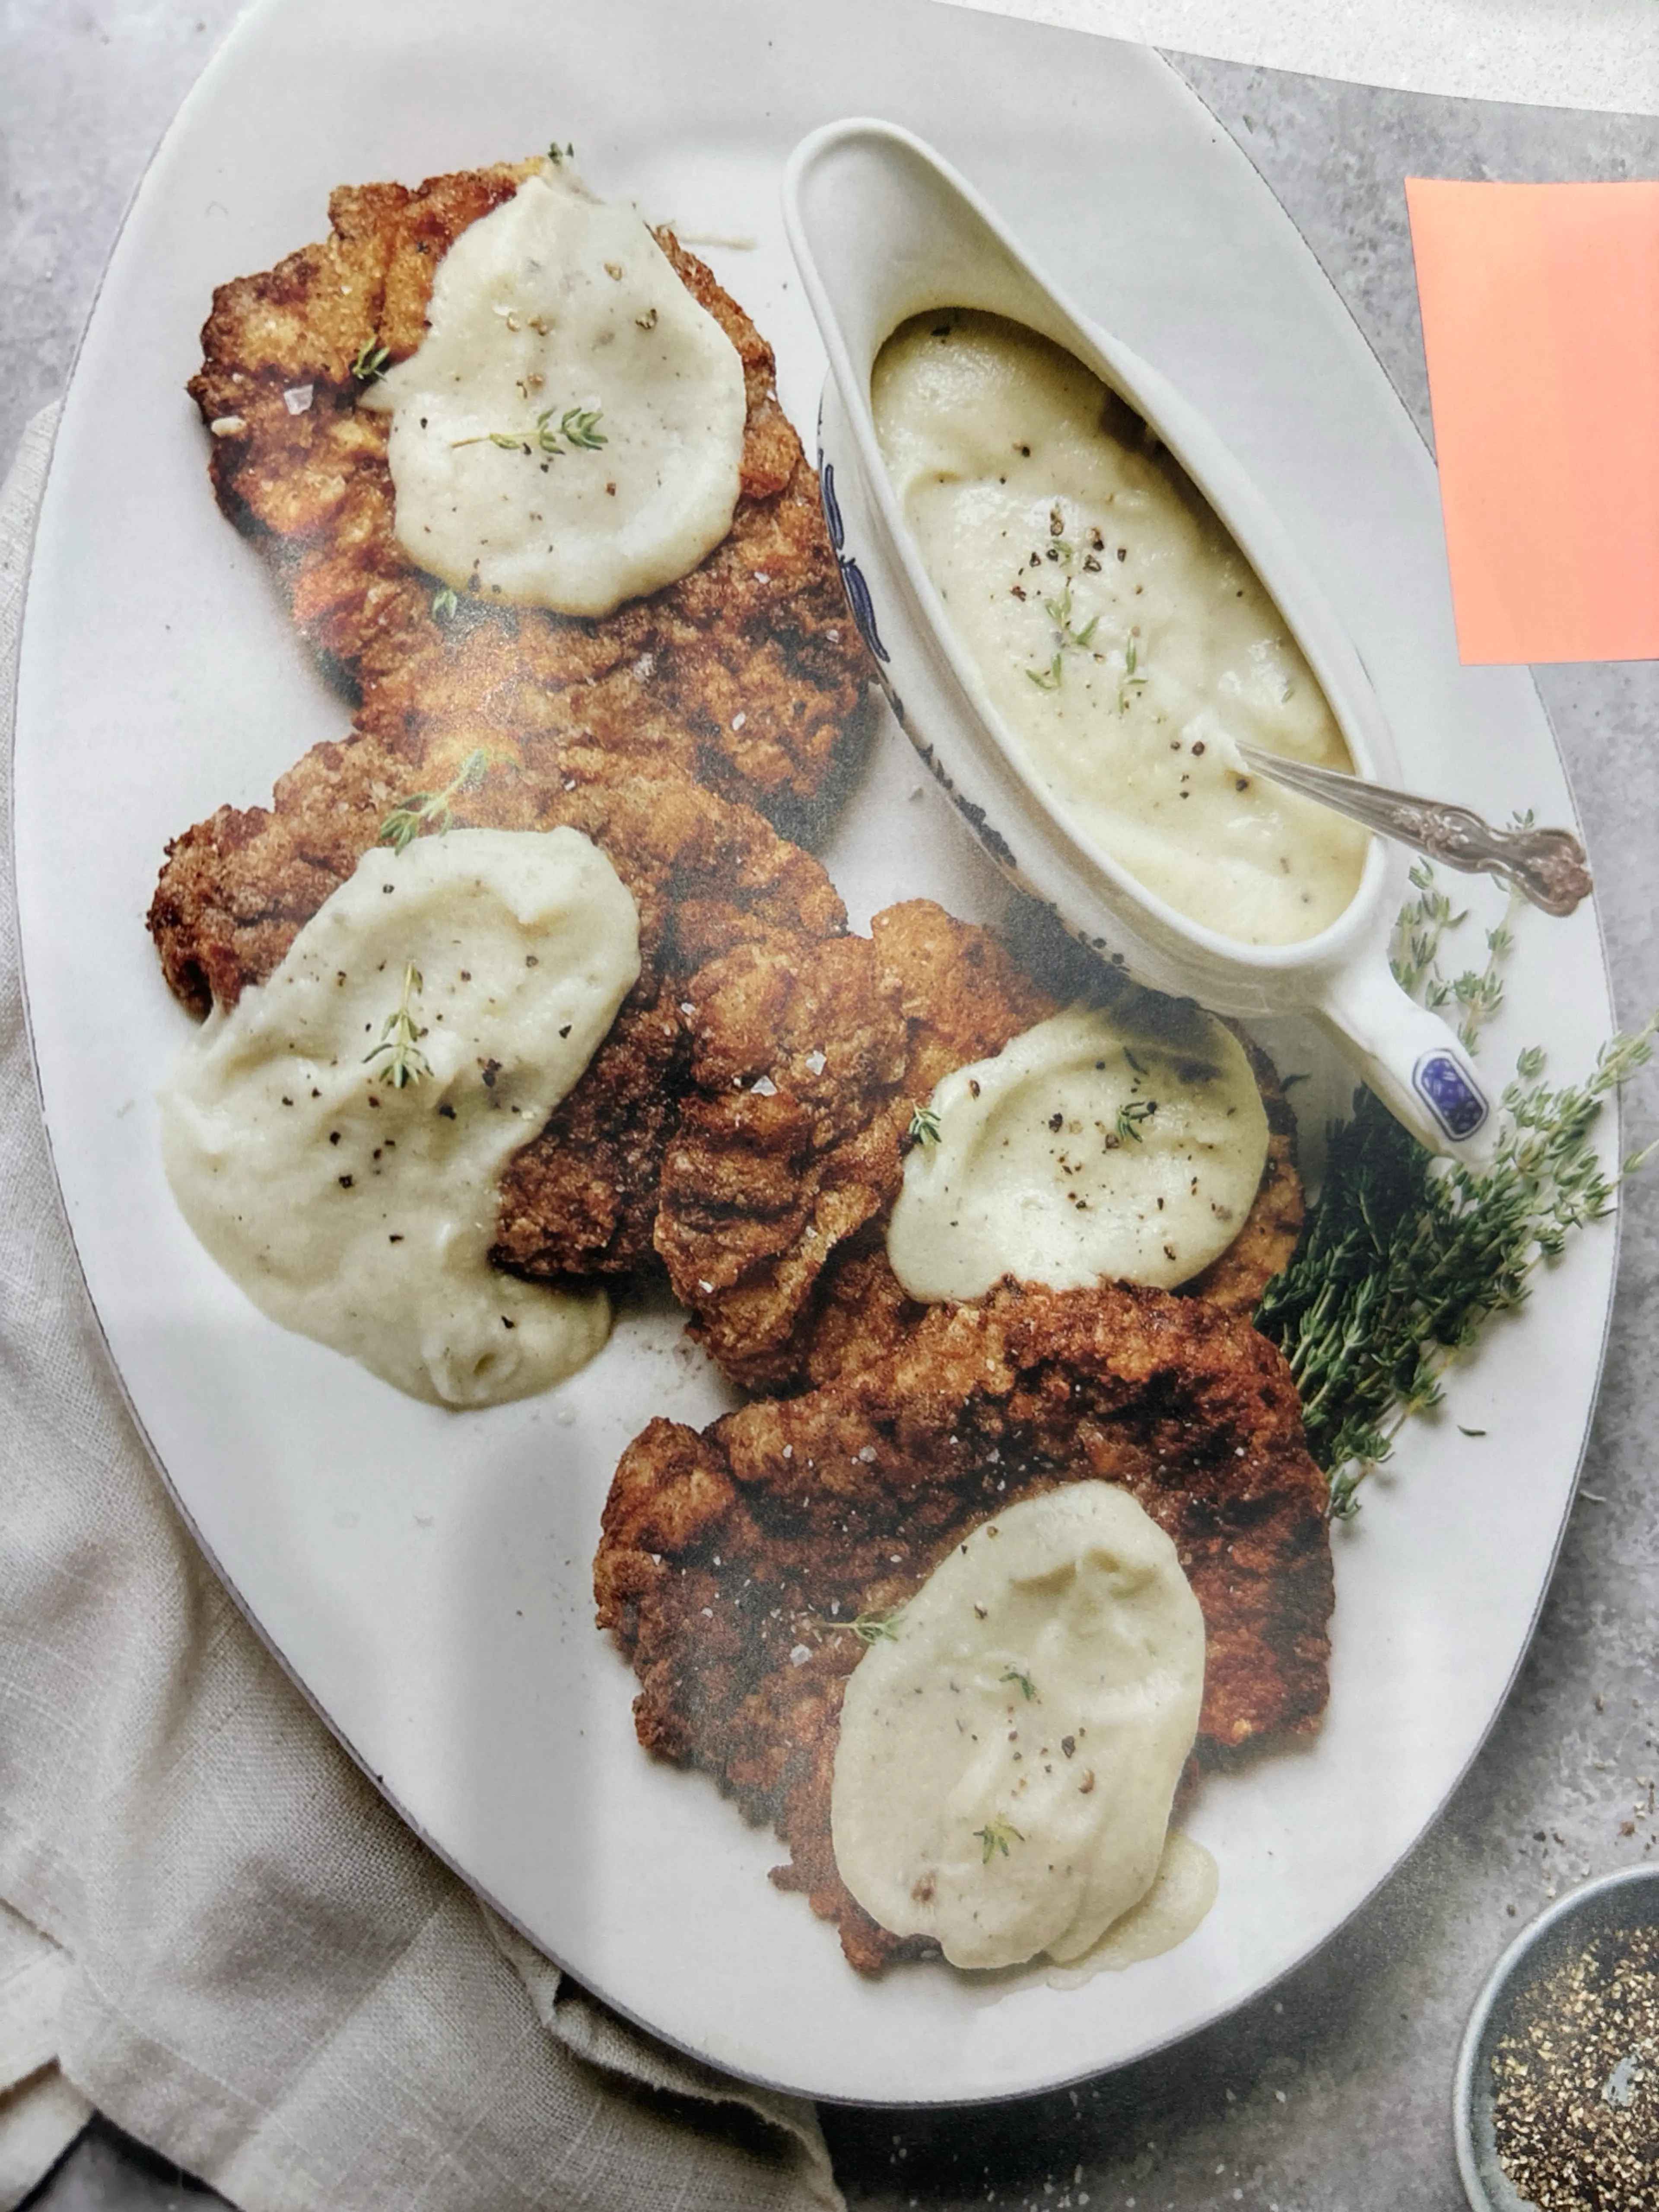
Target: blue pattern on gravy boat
[851, 581]
[882, 229]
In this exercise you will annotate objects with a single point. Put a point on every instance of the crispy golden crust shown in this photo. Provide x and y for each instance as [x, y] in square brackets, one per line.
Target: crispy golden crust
[764, 1190]
[706, 875]
[724, 1555]
[758, 637]
[1273, 1227]
[775, 1198]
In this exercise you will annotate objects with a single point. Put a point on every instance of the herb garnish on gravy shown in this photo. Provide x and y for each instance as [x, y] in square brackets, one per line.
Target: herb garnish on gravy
[1124, 1146]
[1007, 1755]
[569, 433]
[334, 1142]
[1119, 632]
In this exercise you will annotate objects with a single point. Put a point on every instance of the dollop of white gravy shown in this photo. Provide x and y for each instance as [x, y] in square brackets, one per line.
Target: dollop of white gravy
[1124, 1146]
[1007, 1760]
[551, 307]
[1119, 632]
[360, 1213]
[1180, 1896]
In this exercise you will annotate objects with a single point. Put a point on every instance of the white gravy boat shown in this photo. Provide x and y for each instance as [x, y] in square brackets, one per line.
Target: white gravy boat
[883, 229]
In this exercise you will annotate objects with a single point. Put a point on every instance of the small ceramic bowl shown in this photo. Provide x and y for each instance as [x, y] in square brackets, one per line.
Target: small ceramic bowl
[883, 229]
[1627, 1900]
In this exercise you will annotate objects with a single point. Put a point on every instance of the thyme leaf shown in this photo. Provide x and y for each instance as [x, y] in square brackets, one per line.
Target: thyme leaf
[1130, 1117]
[372, 363]
[1028, 1688]
[424, 810]
[1066, 638]
[996, 1836]
[577, 426]
[880, 1624]
[924, 1126]
[1419, 939]
[876, 1625]
[400, 1039]
[1130, 681]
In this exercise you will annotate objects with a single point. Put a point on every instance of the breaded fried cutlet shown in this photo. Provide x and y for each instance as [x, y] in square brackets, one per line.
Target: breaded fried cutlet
[747, 674]
[706, 875]
[804, 1077]
[789, 1153]
[733, 1563]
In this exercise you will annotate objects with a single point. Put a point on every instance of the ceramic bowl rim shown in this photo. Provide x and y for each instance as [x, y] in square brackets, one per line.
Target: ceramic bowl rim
[1505, 1979]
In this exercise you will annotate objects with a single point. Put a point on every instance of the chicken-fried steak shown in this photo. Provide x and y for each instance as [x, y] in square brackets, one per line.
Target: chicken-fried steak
[746, 673]
[805, 1071]
[733, 1563]
[706, 875]
[789, 1155]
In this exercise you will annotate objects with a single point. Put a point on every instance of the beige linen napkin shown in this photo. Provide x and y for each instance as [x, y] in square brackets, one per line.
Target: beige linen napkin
[211, 1928]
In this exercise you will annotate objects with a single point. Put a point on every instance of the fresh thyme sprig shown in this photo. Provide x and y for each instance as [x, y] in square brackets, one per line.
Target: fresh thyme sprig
[430, 809]
[1066, 640]
[1059, 613]
[1480, 993]
[1407, 1257]
[372, 363]
[996, 1836]
[1419, 933]
[400, 1039]
[577, 426]
[1422, 922]
[876, 1625]
[924, 1127]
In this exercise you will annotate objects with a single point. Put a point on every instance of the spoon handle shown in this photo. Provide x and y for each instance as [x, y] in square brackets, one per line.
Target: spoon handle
[1547, 866]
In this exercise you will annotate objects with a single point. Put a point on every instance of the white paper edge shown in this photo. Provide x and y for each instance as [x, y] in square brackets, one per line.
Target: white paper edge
[1596, 54]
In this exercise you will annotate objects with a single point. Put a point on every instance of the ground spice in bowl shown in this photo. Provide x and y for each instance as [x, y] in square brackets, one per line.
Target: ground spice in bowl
[1575, 2081]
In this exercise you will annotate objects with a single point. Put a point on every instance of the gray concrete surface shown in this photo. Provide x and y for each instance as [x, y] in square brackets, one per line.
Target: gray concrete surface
[1331, 2093]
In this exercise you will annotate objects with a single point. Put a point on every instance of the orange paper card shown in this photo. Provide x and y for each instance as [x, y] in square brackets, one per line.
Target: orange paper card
[1540, 322]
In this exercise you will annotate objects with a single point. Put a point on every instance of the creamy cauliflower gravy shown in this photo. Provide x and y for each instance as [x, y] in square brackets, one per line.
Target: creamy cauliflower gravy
[1007, 1761]
[1180, 1896]
[1122, 1146]
[1119, 632]
[569, 433]
[485, 967]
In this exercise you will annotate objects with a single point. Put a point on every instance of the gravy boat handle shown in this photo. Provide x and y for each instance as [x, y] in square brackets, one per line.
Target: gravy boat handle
[1412, 1060]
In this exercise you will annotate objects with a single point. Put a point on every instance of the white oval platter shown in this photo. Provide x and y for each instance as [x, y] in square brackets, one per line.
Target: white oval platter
[425, 1576]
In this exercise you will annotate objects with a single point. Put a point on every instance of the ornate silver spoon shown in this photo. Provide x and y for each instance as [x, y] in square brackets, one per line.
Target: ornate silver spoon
[1548, 866]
